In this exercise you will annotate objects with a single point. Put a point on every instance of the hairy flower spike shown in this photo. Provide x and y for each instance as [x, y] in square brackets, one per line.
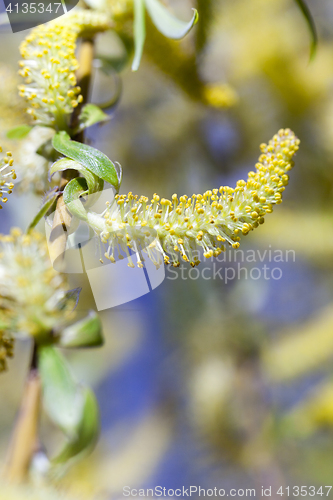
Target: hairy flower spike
[32, 294]
[7, 174]
[182, 227]
[49, 64]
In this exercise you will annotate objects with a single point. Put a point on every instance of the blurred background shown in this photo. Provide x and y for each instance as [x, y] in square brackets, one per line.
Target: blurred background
[203, 382]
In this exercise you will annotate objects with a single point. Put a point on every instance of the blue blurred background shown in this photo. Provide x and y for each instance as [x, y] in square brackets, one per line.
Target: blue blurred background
[203, 382]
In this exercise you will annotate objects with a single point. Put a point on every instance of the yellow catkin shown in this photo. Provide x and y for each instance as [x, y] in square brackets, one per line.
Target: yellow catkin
[181, 227]
[32, 294]
[7, 175]
[49, 66]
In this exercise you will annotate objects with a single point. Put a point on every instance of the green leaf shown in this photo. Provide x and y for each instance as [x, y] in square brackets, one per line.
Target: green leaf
[169, 25]
[72, 192]
[311, 25]
[61, 398]
[18, 132]
[46, 207]
[93, 159]
[87, 430]
[139, 32]
[90, 115]
[72, 407]
[84, 333]
[95, 184]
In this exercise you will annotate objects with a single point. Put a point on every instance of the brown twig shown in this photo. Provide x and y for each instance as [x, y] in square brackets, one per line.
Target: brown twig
[24, 442]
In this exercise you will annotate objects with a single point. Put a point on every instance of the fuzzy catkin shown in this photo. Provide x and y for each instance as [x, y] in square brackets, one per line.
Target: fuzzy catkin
[182, 227]
[7, 175]
[49, 64]
[32, 294]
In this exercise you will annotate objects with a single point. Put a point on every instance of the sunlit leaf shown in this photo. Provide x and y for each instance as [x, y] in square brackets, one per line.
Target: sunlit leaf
[168, 24]
[19, 132]
[139, 32]
[72, 407]
[90, 115]
[84, 333]
[46, 207]
[94, 183]
[311, 25]
[93, 159]
[61, 398]
[86, 432]
[72, 192]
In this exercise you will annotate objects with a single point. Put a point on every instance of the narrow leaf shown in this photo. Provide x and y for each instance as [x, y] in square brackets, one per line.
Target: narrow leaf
[61, 398]
[311, 25]
[87, 430]
[72, 407]
[18, 132]
[169, 25]
[139, 32]
[72, 192]
[84, 333]
[47, 206]
[90, 115]
[92, 158]
[94, 183]
[61, 165]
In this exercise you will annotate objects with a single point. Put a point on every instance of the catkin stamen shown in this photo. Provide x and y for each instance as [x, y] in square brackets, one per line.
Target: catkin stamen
[181, 228]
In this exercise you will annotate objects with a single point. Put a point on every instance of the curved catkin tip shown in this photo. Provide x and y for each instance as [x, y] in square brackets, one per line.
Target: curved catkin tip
[49, 64]
[186, 226]
[7, 175]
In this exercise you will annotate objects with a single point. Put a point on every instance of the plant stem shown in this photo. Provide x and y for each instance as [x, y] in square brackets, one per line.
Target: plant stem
[24, 441]
[62, 217]
[25, 437]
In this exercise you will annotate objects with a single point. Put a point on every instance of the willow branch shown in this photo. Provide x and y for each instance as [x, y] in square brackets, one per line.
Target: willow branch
[62, 217]
[24, 440]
